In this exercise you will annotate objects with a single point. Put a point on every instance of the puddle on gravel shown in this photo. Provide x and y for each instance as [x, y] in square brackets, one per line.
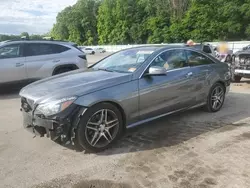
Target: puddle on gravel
[100, 184]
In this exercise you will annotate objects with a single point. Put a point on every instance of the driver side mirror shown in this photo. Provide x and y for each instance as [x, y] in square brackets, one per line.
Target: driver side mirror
[156, 71]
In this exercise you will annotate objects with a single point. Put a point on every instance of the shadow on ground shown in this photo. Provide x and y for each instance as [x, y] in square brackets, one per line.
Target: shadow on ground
[175, 129]
[84, 184]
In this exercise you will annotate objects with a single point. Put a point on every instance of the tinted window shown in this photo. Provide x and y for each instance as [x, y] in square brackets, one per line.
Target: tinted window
[207, 49]
[88, 48]
[171, 59]
[44, 49]
[10, 51]
[196, 59]
[59, 48]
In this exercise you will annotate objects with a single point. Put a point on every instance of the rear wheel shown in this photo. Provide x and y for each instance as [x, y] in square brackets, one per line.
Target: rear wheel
[215, 98]
[99, 127]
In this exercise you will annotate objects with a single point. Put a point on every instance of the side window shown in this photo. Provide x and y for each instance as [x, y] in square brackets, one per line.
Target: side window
[59, 48]
[196, 59]
[172, 59]
[207, 49]
[35, 49]
[10, 51]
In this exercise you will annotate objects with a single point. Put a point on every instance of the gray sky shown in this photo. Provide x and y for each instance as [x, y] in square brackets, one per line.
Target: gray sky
[33, 16]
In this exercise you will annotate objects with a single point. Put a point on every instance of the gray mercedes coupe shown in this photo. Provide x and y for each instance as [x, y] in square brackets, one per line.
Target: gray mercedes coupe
[92, 108]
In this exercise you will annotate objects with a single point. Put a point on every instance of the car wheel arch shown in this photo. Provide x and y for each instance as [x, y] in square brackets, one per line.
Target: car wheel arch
[222, 83]
[117, 105]
[71, 66]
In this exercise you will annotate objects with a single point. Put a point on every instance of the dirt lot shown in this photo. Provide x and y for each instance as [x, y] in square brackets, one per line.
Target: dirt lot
[188, 150]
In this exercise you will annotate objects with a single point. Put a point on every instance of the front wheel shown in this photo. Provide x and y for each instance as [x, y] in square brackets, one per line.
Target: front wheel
[215, 98]
[99, 128]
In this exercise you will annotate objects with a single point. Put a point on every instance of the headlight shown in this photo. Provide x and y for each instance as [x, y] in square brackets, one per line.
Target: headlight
[54, 107]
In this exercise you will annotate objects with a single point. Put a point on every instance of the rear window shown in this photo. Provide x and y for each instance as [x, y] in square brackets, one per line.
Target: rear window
[76, 47]
[35, 49]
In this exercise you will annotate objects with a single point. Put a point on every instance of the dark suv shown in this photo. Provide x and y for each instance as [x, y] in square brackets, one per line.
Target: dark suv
[241, 65]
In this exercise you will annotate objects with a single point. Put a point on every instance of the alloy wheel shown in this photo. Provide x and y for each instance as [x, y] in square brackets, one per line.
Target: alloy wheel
[102, 127]
[217, 97]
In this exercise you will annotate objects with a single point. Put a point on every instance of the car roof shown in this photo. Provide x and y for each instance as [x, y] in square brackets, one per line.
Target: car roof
[39, 41]
[161, 47]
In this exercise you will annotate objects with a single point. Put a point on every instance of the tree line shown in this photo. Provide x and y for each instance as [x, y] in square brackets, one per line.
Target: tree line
[4, 37]
[91, 22]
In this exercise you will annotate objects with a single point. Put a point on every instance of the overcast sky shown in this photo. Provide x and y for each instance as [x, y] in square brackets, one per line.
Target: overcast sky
[33, 16]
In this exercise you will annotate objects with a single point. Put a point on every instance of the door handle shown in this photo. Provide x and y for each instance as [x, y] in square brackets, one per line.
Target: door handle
[19, 64]
[189, 74]
[56, 60]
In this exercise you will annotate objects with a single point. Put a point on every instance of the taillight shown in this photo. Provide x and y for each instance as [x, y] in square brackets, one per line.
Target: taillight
[83, 57]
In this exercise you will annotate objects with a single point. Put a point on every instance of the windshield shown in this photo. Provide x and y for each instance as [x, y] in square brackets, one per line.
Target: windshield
[125, 61]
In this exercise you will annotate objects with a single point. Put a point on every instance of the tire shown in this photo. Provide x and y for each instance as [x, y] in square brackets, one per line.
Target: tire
[212, 98]
[62, 70]
[85, 132]
[93, 53]
[236, 78]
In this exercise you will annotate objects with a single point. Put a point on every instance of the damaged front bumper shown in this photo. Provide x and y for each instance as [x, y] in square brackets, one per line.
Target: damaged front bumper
[60, 126]
[242, 71]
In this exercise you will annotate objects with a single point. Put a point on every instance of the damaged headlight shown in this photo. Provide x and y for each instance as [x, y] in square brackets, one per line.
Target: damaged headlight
[54, 107]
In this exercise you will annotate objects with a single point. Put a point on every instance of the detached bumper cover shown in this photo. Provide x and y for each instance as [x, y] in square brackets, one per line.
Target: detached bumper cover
[54, 127]
[38, 126]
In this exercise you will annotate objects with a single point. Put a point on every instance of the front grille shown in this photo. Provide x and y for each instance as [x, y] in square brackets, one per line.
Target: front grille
[25, 105]
[244, 59]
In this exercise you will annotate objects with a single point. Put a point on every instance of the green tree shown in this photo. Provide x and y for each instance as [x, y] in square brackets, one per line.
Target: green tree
[78, 23]
[153, 21]
[25, 34]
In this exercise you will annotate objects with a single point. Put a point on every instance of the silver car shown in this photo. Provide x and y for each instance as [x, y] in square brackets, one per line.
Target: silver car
[91, 109]
[33, 59]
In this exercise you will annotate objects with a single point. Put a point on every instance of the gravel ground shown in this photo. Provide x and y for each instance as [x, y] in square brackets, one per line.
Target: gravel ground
[187, 150]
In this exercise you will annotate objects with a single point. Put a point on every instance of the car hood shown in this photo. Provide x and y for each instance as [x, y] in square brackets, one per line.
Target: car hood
[75, 83]
[242, 52]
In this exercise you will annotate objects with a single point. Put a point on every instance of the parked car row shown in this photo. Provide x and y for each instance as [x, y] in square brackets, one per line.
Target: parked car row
[92, 51]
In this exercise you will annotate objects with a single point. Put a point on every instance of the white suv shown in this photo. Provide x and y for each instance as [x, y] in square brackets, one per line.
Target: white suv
[33, 60]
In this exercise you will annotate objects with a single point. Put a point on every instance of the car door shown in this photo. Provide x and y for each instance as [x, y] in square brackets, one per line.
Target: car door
[40, 58]
[12, 63]
[166, 93]
[202, 69]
